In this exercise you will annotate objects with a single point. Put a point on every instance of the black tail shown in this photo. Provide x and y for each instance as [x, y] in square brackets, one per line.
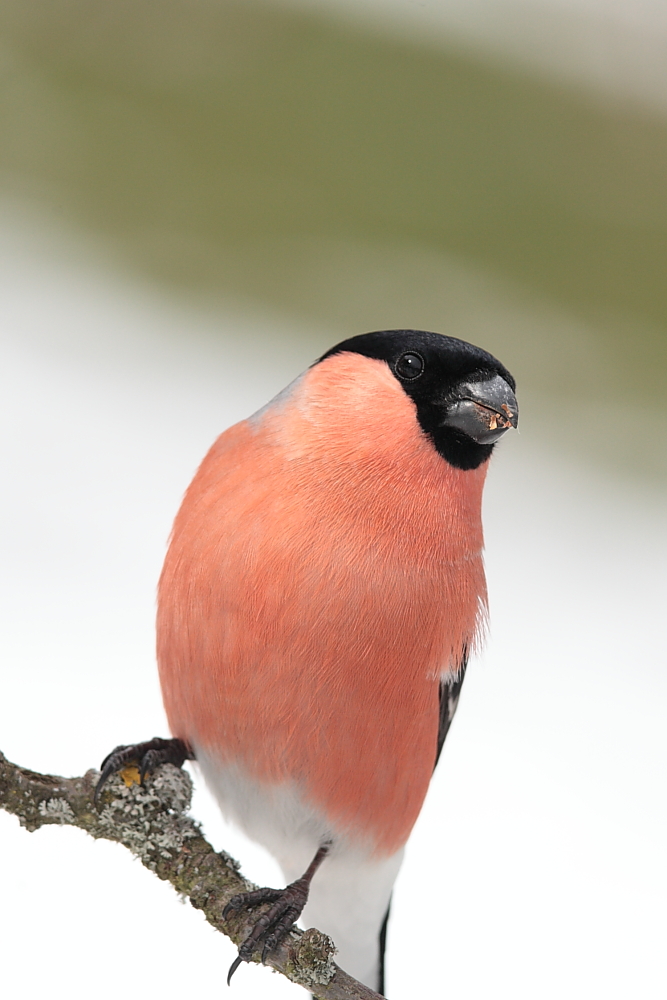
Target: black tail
[383, 945]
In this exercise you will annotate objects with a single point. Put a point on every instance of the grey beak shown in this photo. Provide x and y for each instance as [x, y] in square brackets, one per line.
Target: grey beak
[483, 410]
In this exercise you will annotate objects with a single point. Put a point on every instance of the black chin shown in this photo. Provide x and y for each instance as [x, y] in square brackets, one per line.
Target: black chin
[458, 449]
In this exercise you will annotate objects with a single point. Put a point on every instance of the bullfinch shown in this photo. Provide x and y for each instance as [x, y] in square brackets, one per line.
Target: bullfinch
[322, 591]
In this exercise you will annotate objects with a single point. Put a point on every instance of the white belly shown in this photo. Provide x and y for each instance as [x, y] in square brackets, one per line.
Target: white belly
[349, 893]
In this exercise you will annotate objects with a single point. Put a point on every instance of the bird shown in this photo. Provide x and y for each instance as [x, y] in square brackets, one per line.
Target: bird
[322, 592]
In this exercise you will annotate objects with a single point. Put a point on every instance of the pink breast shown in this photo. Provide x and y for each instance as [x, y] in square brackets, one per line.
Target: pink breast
[325, 569]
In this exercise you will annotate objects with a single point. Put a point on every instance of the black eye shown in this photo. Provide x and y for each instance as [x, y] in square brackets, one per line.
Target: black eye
[410, 365]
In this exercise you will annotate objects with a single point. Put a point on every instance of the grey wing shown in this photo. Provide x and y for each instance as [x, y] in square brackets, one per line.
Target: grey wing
[449, 699]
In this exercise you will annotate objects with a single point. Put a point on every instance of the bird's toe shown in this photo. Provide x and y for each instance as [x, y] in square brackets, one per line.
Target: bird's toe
[139, 759]
[272, 926]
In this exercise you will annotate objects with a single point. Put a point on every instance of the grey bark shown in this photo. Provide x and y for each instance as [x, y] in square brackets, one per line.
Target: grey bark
[153, 822]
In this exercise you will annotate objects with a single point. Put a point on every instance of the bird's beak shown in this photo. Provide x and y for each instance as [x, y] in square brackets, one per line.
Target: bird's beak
[483, 410]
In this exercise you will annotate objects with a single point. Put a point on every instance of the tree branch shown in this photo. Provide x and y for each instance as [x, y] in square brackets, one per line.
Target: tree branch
[153, 823]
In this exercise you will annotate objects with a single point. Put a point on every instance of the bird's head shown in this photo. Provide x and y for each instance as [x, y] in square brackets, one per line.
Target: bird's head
[464, 397]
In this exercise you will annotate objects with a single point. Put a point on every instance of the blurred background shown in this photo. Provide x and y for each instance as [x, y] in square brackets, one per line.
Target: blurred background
[197, 198]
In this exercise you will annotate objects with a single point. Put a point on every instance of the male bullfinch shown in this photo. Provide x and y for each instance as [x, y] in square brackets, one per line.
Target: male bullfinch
[322, 591]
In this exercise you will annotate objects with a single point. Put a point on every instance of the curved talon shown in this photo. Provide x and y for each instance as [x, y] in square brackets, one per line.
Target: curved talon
[109, 756]
[115, 761]
[149, 762]
[232, 969]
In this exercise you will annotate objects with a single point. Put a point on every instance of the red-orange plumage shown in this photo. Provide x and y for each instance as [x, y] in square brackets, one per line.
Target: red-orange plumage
[325, 559]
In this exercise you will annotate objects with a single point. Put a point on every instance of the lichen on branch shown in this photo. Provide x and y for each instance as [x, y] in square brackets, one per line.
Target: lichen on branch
[153, 823]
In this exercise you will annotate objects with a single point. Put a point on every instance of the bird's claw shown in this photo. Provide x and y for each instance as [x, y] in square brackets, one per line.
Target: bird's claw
[273, 925]
[232, 969]
[145, 756]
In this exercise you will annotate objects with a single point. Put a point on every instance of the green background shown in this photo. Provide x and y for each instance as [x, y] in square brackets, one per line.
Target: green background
[355, 181]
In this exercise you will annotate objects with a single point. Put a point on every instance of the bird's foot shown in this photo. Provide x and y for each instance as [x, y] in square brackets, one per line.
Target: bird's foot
[137, 759]
[274, 924]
